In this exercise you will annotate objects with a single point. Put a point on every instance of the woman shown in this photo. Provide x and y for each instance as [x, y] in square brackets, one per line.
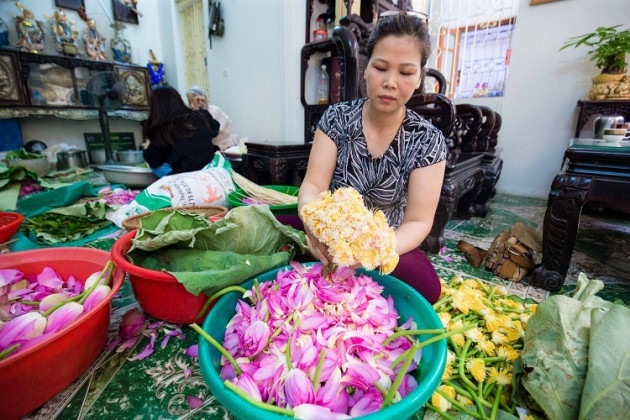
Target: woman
[388, 153]
[177, 135]
[227, 137]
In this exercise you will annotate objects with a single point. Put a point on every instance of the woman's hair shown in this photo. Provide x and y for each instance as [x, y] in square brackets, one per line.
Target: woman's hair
[166, 108]
[197, 91]
[401, 25]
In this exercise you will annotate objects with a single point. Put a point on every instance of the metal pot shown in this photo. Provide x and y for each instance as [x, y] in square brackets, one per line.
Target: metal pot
[72, 159]
[130, 156]
[98, 155]
[603, 122]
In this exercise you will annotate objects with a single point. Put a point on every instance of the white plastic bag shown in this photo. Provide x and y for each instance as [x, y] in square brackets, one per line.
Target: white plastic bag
[208, 186]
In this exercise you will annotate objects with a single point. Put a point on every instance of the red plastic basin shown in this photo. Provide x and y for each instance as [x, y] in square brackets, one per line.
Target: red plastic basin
[157, 292]
[34, 376]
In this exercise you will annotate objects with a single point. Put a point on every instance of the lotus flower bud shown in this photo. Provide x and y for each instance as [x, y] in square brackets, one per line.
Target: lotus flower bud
[298, 388]
[63, 316]
[21, 328]
[98, 295]
[247, 384]
[51, 300]
[312, 411]
[131, 325]
[94, 277]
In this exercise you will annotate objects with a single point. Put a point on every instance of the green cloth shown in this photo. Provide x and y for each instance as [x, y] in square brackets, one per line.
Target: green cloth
[42, 202]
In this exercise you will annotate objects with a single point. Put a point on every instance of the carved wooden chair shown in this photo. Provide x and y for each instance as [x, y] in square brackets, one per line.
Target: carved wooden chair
[491, 165]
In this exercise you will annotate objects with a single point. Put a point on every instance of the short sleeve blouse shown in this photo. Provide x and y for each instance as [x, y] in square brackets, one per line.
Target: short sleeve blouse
[383, 182]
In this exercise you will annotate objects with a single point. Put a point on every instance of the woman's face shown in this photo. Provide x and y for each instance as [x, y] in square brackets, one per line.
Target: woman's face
[393, 72]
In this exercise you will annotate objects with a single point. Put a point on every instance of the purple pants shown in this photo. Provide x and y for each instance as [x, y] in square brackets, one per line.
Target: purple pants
[413, 268]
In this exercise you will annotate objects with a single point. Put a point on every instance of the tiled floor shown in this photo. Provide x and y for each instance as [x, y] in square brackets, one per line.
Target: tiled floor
[601, 249]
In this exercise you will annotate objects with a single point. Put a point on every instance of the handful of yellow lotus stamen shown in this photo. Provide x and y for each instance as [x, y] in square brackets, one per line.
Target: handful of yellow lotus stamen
[352, 233]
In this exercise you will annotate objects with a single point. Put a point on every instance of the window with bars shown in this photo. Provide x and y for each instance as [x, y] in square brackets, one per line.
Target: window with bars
[472, 44]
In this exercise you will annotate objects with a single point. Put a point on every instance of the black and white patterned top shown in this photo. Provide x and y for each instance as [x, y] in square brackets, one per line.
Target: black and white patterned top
[383, 182]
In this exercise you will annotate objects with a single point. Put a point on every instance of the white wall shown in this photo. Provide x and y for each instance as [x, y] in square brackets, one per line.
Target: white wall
[149, 34]
[539, 109]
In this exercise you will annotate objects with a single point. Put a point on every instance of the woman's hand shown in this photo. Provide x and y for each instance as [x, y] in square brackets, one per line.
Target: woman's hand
[316, 248]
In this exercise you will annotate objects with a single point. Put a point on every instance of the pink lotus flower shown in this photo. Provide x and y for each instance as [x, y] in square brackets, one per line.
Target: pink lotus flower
[298, 388]
[22, 328]
[98, 295]
[63, 316]
[316, 412]
[247, 384]
[370, 402]
[332, 394]
[255, 338]
[194, 402]
[408, 384]
[132, 324]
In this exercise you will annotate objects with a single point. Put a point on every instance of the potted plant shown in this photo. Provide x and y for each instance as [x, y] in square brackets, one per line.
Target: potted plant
[609, 46]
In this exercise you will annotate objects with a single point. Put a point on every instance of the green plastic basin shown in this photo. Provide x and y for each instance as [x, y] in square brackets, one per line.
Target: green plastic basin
[408, 303]
[234, 199]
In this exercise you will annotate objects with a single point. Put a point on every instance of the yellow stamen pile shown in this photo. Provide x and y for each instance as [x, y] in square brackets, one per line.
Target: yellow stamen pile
[352, 233]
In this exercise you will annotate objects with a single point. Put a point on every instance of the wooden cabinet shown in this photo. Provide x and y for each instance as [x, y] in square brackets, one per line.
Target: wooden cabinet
[37, 84]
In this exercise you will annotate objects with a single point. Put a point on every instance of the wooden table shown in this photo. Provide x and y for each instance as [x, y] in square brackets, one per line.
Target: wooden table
[598, 174]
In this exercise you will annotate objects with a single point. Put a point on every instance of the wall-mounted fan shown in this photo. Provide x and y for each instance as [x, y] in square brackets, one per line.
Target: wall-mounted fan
[105, 92]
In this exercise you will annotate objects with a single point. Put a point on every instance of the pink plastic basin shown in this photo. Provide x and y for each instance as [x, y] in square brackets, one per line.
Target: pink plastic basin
[33, 376]
[158, 293]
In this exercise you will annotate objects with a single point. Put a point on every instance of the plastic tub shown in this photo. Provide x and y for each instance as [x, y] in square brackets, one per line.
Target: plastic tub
[9, 224]
[408, 303]
[234, 199]
[34, 376]
[157, 292]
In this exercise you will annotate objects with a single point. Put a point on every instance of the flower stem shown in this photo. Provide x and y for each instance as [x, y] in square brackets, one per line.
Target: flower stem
[495, 406]
[287, 353]
[403, 333]
[217, 346]
[444, 335]
[269, 407]
[29, 302]
[217, 294]
[441, 301]
[382, 390]
[257, 289]
[8, 350]
[401, 375]
[467, 382]
[318, 370]
[488, 388]
[60, 304]
[458, 405]
[440, 412]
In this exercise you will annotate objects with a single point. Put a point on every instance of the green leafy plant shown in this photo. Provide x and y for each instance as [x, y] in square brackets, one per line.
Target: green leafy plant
[608, 48]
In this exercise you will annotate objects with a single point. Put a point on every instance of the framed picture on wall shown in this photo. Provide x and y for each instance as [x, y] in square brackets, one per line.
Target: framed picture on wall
[70, 4]
[125, 11]
[137, 87]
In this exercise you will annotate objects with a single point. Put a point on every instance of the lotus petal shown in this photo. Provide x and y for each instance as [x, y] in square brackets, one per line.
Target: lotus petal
[298, 388]
[93, 278]
[22, 328]
[192, 351]
[50, 279]
[194, 402]
[255, 338]
[51, 300]
[369, 403]
[8, 276]
[98, 295]
[316, 412]
[63, 316]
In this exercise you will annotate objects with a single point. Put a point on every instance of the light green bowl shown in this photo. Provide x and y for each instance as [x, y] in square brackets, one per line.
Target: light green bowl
[234, 199]
[408, 303]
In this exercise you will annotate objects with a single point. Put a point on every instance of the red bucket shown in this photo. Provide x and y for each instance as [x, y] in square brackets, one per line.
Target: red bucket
[157, 292]
[34, 376]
